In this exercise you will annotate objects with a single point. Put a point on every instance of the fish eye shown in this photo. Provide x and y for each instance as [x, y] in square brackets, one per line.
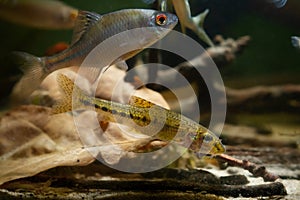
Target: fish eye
[208, 138]
[161, 19]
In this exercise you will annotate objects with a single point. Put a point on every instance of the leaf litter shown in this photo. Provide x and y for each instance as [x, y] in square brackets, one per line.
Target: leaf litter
[33, 140]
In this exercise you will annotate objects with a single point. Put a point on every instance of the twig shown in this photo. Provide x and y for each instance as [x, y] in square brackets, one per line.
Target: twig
[257, 171]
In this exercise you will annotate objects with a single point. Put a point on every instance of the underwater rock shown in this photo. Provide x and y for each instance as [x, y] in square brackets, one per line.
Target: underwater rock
[234, 180]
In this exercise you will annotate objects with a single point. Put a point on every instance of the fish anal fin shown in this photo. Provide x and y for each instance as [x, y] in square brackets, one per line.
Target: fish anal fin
[140, 102]
[83, 22]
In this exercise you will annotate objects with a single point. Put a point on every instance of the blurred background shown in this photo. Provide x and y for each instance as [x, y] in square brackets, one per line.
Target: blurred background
[263, 128]
[269, 59]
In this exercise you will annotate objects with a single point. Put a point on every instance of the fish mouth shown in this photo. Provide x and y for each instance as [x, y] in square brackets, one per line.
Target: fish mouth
[172, 20]
[210, 149]
[219, 149]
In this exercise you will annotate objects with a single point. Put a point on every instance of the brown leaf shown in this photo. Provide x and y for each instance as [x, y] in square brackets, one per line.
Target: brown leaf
[32, 140]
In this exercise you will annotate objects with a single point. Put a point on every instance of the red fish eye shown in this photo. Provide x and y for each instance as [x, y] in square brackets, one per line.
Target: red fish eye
[161, 19]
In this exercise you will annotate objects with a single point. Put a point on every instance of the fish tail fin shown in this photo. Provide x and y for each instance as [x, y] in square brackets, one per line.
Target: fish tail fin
[34, 73]
[72, 95]
[199, 19]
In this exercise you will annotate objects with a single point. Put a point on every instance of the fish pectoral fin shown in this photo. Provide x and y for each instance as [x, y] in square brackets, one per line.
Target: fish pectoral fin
[83, 22]
[140, 102]
[103, 125]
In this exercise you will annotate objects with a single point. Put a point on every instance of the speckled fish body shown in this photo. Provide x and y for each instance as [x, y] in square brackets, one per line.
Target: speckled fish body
[137, 115]
[92, 29]
[44, 14]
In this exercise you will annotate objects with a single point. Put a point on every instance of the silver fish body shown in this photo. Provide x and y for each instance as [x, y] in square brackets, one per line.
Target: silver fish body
[295, 41]
[43, 14]
[279, 3]
[107, 26]
[142, 27]
[149, 1]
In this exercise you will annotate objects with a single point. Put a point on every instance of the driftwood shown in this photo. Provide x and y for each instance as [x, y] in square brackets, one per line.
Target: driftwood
[167, 185]
[227, 49]
[267, 97]
[170, 182]
[253, 98]
[222, 54]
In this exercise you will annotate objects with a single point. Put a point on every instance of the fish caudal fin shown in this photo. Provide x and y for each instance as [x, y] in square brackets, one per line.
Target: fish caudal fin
[71, 95]
[34, 73]
[199, 19]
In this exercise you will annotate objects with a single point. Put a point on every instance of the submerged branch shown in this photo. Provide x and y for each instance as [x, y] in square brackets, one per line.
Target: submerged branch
[222, 54]
[257, 171]
[155, 186]
[284, 96]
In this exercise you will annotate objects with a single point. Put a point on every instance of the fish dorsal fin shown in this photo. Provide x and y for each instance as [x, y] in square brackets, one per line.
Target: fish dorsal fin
[140, 102]
[84, 21]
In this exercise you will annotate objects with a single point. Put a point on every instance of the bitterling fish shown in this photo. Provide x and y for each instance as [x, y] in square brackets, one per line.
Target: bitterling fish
[295, 41]
[43, 14]
[91, 29]
[279, 3]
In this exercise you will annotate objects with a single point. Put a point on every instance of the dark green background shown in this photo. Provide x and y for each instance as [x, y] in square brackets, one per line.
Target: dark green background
[269, 59]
